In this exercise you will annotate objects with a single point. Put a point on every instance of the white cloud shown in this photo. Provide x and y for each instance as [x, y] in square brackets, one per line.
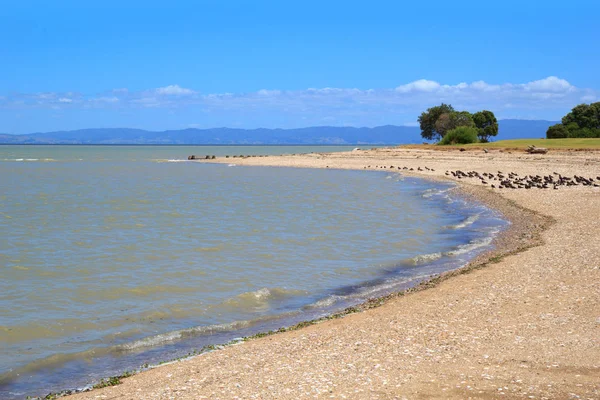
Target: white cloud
[549, 84]
[422, 85]
[174, 90]
[266, 92]
[483, 86]
[331, 91]
[550, 97]
[46, 96]
[588, 98]
[147, 102]
[219, 96]
[112, 99]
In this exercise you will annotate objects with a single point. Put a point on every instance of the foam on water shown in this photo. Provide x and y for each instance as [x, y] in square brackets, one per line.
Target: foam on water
[471, 246]
[470, 220]
[28, 159]
[168, 337]
[425, 258]
[436, 192]
[259, 300]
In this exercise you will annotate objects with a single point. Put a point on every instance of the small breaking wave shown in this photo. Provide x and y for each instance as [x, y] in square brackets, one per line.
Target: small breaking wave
[471, 246]
[260, 300]
[362, 293]
[324, 303]
[29, 159]
[470, 220]
[174, 336]
[435, 192]
[425, 258]
[170, 160]
[58, 359]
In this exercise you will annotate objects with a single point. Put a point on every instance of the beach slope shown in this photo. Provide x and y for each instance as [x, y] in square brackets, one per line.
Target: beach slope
[524, 325]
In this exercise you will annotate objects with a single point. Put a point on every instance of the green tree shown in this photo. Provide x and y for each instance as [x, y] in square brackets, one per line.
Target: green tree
[582, 122]
[486, 124]
[584, 115]
[557, 131]
[448, 121]
[428, 118]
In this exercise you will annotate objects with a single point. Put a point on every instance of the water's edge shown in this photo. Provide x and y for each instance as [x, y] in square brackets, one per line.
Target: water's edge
[186, 343]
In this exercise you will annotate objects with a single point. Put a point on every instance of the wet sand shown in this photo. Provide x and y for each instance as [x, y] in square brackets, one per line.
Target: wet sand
[523, 322]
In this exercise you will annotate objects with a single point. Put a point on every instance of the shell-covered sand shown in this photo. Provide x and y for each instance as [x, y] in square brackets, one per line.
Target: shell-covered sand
[525, 325]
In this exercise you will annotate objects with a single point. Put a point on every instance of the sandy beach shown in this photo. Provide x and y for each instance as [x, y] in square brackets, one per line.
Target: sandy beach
[523, 322]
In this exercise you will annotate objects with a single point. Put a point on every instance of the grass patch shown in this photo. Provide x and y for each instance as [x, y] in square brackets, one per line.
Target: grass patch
[571, 143]
[518, 144]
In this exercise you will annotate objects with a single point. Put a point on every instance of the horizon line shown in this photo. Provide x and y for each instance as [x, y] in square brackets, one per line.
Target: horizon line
[250, 129]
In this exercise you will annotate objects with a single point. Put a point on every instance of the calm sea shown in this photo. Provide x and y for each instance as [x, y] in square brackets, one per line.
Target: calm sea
[112, 257]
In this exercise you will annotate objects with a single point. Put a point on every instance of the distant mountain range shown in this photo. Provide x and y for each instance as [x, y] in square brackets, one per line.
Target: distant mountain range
[388, 134]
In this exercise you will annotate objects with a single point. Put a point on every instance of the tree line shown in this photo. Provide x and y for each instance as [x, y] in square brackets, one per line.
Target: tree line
[448, 126]
[582, 122]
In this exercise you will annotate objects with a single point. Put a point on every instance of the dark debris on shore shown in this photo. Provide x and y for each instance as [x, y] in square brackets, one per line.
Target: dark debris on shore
[509, 180]
[512, 180]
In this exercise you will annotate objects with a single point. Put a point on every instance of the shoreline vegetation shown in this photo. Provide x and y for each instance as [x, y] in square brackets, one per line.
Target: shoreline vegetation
[519, 320]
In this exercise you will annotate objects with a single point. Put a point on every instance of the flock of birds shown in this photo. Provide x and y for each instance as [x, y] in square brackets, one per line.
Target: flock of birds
[499, 180]
[511, 180]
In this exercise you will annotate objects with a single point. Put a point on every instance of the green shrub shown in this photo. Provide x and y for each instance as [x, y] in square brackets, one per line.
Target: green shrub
[584, 133]
[460, 135]
[558, 131]
[572, 130]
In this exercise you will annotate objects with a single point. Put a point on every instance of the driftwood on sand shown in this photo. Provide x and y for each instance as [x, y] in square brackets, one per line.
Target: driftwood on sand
[536, 150]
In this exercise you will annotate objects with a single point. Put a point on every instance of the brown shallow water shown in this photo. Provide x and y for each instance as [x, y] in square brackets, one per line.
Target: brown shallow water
[114, 257]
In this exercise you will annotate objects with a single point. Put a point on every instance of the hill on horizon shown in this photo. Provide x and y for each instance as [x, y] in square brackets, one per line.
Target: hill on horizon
[325, 135]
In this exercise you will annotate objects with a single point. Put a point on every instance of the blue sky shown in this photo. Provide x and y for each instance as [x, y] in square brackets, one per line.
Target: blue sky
[178, 64]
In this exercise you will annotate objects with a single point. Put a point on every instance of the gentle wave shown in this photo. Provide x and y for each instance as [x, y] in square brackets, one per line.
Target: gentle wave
[363, 293]
[471, 246]
[383, 287]
[470, 220]
[252, 299]
[260, 300]
[170, 337]
[435, 192]
[169, 160]
[424, 258]
[51, 362]
[29, 159]
[56, 360]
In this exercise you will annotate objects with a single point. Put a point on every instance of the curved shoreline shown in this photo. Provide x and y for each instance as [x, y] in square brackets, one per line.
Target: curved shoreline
[419, 282]
[527, 231]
